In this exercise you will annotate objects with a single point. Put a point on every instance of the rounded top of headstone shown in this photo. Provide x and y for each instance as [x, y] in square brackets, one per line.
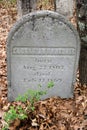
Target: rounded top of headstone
[39, 14]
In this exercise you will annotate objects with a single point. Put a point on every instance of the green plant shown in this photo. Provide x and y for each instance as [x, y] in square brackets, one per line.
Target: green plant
[34, 95]
[10, 115]
[20, 113]
[50, 84]
[22, 98]
[5, 127]
[13, 114]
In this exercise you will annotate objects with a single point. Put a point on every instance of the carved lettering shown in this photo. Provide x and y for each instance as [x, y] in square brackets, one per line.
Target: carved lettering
[43, 67]
[42, 80]
[42, 60]
[42, 51]
[42, 73]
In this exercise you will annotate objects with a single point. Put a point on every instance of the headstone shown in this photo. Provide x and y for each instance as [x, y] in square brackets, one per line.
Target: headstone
[65, 7]
[42, 47]
[26, 6]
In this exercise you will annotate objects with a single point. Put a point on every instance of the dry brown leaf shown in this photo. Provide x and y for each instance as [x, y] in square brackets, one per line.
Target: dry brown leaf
[53, 113]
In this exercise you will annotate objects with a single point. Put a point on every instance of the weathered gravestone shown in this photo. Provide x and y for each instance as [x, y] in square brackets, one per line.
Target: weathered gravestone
[26, 6]
[42, 47]
[65, 7]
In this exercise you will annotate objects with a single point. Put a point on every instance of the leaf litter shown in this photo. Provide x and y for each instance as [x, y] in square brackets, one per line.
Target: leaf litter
[50, 114]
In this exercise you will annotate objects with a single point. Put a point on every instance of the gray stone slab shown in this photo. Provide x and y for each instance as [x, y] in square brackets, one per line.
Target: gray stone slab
[42, 46]
[65, 7]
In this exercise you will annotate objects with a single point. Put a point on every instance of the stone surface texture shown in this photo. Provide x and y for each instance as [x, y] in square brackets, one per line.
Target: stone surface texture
[65, 7]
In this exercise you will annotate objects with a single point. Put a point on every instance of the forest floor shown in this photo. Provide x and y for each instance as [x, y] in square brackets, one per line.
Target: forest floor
[50, 114]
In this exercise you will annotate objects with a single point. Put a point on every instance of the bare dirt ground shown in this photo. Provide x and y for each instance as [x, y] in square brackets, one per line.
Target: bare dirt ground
[51, 114]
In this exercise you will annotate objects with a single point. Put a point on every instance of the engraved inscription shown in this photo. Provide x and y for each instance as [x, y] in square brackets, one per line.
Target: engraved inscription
[42, 51]
[42, 72]
[43, 67]
[42, 64]
[40, 60]
[42, 80]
